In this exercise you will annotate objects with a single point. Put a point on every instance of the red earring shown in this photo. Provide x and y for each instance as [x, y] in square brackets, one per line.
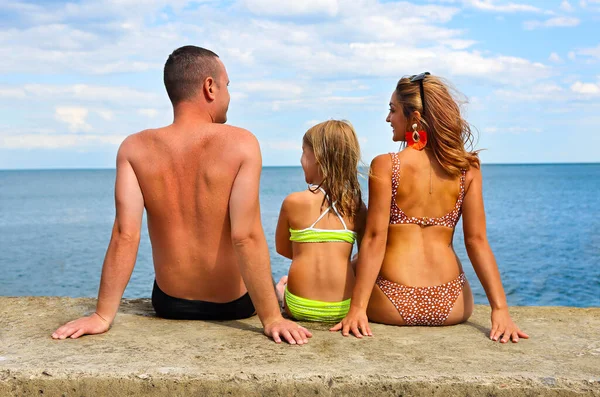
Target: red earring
[416, 139]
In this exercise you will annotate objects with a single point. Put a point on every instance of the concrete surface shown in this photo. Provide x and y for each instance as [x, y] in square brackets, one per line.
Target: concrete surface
[143, 355]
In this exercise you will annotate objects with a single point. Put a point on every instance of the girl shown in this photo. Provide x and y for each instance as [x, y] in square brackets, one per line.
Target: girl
[317, 227]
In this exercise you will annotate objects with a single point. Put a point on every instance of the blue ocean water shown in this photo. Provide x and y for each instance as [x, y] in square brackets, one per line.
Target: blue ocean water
[543, 225]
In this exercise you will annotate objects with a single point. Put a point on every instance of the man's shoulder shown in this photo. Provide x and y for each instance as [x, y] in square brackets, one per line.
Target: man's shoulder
[237, 133]
[133, 141]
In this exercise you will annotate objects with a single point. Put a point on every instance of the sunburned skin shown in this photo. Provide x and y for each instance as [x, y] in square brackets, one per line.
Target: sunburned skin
[198, 180]
[186, 180]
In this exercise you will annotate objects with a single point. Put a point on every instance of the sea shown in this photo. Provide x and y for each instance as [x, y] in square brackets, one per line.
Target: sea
[543, 224]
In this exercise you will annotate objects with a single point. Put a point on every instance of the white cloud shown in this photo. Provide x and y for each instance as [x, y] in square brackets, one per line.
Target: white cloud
[502, 68]
[106, 114]
[286, 145]
[563, 22]
[79, 92]
[274, 88]
[74, 117]
[12, 93]
[336, 58]
[490, 5]
[292, 8]
[566, 6]
[511, 130]
[536, 93]
[554, 57]
[590, 52]
[149, 112]
[365, 39]
[311, 123]
[586, 88]
[572, 55]
[48, 141]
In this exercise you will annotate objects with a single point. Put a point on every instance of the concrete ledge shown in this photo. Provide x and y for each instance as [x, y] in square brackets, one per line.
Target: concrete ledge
[145, 355]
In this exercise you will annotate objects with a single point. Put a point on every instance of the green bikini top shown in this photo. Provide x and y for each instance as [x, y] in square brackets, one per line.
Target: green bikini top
[315, 235]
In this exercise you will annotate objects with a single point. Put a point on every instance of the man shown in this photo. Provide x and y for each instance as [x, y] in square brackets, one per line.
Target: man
[199, 182]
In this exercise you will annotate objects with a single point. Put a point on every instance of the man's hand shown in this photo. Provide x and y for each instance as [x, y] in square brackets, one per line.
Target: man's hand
[90, 325]
[289, 330]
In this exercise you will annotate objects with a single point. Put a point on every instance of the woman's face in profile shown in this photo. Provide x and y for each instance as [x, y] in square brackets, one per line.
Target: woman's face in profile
[396, 119]
[309, 165]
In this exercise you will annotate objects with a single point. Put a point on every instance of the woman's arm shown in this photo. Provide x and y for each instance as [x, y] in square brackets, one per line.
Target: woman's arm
[359, 224]
[372, 249]
[484, 263]
[283, 245]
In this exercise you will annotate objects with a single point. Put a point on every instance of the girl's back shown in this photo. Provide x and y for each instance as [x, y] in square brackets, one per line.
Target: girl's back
[320, 270]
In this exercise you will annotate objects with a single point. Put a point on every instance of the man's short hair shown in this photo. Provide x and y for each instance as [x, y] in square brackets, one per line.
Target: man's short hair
[186, 69]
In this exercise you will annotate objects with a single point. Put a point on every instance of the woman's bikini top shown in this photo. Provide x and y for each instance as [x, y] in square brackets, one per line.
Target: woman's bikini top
[314, 235]
[397, 216]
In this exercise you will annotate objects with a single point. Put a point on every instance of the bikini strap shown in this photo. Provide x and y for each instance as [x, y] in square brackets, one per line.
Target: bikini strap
[322, 191]
[327, 210]
[461, 195]
[395, 172]
[319, 218]
[339, 216]
[324, 212]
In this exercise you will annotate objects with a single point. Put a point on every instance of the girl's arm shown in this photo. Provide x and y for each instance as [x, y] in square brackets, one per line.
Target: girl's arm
[372, 249]
[483, 260]
[283, 245]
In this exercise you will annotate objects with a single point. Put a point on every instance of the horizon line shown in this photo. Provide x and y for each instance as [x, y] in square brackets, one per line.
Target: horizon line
[274, 166]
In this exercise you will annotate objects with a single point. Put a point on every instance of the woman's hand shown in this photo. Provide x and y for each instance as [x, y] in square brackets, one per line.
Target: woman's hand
[503, 326]
[356, 321]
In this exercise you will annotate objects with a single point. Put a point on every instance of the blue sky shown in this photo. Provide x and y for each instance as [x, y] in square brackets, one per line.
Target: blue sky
[77, 77]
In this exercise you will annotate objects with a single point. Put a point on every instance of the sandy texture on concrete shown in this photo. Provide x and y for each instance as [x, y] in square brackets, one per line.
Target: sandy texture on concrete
[145, 355]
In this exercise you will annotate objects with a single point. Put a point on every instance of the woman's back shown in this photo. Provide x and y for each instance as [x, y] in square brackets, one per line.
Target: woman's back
[425, 205]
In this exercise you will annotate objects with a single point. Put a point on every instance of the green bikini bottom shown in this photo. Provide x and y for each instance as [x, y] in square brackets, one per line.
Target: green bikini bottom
[312, 310]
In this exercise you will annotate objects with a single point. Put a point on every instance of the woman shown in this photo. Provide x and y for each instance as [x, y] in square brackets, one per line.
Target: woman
[318, 226]
[408, 272]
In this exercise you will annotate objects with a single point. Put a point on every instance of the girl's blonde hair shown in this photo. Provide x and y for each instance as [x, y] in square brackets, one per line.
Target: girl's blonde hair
[337, 152]
[448, 134]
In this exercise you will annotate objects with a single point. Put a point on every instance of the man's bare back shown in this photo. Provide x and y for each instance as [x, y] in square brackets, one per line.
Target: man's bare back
[186, 174]
[198, 180]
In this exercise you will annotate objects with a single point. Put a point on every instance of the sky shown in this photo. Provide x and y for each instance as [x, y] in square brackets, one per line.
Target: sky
[77, 77]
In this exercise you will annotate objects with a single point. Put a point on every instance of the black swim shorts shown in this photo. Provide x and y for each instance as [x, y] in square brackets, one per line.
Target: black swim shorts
[183, 309]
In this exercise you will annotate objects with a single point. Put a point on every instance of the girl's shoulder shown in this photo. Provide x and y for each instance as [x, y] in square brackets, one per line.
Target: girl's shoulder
[297, 199]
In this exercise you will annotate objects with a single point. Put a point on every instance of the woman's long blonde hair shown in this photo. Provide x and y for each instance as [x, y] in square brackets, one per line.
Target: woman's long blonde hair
[337, 152]
[448, 134]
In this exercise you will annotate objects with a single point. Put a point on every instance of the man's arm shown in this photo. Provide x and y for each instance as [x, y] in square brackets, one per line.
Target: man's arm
[251, 247]
[120, 255]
